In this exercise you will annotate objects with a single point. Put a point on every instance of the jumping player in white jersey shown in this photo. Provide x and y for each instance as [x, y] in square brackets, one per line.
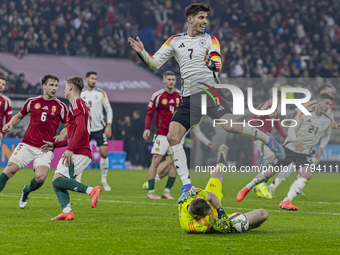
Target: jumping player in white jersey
[199, 58]
[100, 131]
[298, 146]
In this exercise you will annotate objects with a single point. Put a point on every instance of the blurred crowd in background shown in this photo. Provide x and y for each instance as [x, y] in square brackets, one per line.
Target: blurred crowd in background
[259, 38]
[273, 42]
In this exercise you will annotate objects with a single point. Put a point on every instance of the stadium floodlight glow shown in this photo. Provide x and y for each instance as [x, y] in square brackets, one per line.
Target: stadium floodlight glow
[238, 100]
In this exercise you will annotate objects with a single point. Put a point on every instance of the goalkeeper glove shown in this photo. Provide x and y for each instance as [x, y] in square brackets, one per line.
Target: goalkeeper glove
[221, 213]
[221, 226]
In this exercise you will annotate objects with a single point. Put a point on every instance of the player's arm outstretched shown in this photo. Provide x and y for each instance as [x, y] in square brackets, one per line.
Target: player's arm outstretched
[157, 60]
[13, 122]
[62, 135]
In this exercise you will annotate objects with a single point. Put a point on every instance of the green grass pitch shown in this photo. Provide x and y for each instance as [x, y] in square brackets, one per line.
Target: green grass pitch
[126, 222]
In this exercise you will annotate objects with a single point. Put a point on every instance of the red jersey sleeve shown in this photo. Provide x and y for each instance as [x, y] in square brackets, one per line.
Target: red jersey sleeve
[279, 129]
[8, 112]
[26, 109]
[151, 111]
[76, 111]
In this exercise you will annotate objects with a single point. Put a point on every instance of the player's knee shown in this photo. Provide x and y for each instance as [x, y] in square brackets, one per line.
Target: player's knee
[40, 178]
[263, 215]
[173, 139]
[157, 159]
[104, 155]
[11, 169]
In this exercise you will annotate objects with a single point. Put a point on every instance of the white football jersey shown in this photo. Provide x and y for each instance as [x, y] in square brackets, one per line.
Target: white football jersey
[96, 100]
[189, 52]
[309, 130]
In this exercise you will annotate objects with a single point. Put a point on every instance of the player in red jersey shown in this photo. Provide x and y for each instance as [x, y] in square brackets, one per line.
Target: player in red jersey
[46, 113]
[165, 103]
[265, 124]
[5, 106]
[78, 154]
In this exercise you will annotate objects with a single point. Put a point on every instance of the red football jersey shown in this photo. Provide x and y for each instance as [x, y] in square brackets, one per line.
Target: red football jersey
[165, 105]
[267, 122]
[44, 119]
[79, 128]
[5, 111]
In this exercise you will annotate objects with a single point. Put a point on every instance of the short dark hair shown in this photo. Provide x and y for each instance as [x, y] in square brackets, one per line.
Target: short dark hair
[88, 74]
[49, 76]
[194, 9]
[3, 78]
[167, 73]
[199, 206]
[324, 96]
[322, 87]
[77, 81]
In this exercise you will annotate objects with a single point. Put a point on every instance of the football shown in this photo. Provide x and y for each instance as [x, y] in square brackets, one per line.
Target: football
[240, 222]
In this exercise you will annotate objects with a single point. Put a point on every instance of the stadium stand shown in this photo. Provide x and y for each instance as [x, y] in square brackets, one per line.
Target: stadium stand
[259, 39]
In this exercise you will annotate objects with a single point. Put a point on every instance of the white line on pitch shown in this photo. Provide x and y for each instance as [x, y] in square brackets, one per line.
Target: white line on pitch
[150, 203]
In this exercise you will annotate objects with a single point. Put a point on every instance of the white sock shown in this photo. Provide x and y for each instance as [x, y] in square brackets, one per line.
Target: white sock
[104, 167]
[78, 177]
[255, 133]
[258, 179]
[88, 190]
[157, 179]
[283, 175]
[180, 161]
[67, 209]
[296, 188]
[166, 189]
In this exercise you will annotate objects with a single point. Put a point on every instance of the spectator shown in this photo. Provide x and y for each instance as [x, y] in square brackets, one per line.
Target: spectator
[137, 146]
[82, 52]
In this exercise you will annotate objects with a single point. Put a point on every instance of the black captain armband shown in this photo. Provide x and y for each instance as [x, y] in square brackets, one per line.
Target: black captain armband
[212, 66]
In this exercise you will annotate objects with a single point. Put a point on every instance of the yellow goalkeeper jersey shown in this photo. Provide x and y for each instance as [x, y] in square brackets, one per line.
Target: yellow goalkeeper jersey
[188, 222]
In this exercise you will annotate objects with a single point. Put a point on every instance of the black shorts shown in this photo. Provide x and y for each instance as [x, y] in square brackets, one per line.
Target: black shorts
[100, 137]
[298, 159]
[189, 113]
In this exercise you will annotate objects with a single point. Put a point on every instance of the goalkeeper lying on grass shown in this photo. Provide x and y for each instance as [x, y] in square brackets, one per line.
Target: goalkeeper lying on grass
[203, 213]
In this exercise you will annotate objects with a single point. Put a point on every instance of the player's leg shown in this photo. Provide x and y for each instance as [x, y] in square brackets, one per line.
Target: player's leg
[252, 132]
[268, 157]
[104, 167]
[256, 218]
[162, 170]
[175, 135]
[21, 157]
[262, 176]
[92, 136]
[171, 179]
[261, 189]
[102, 143]
[8, 173]
[40, 174]
[282, 176]
[41, 165]
[296, 188]
[156, 160]
[265, 175]
[63, 181]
